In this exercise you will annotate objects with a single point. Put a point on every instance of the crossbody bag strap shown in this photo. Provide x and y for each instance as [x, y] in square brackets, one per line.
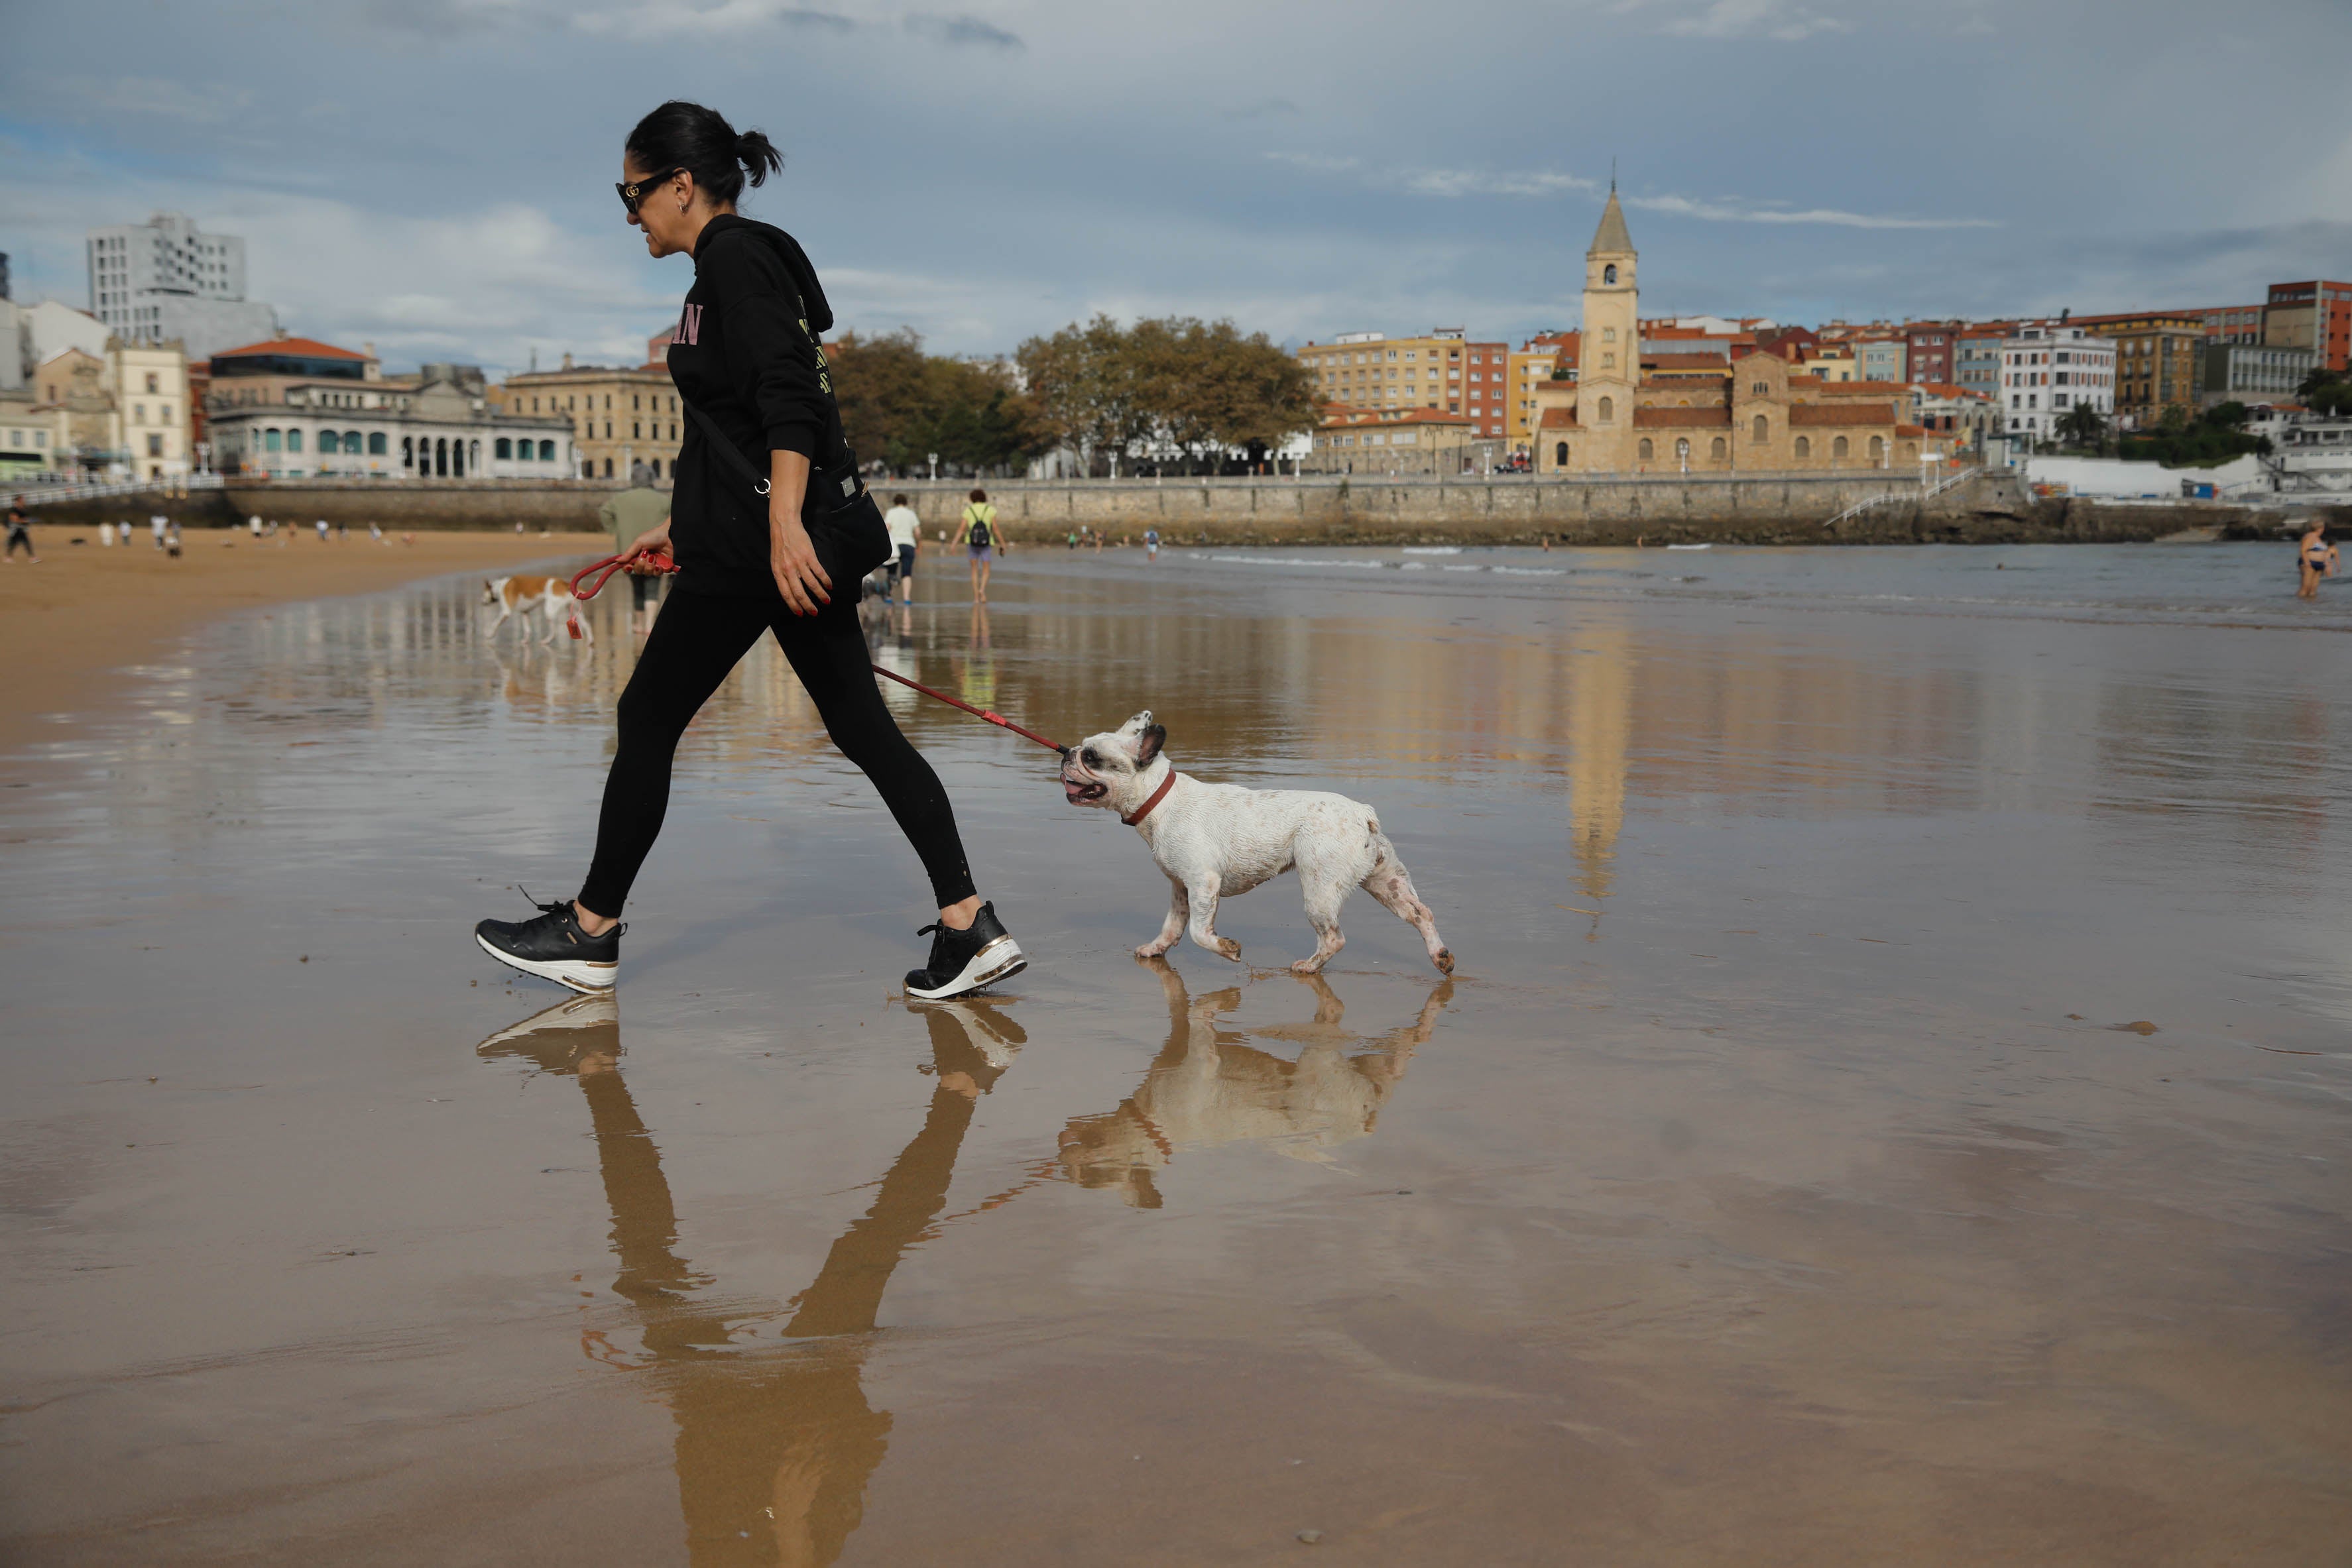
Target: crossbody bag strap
[727, 449]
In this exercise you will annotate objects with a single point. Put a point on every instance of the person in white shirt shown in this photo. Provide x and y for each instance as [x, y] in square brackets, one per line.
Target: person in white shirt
[156, 524]
[906, 543]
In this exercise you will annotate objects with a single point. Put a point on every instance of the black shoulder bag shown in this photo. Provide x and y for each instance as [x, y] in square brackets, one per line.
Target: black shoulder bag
[837, 512]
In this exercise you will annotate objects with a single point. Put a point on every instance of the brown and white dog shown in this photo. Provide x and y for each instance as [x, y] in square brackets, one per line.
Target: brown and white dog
[521, 596]
[1216, 841]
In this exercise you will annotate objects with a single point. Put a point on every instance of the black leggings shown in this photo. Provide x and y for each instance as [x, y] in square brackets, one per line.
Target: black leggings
[695, 639]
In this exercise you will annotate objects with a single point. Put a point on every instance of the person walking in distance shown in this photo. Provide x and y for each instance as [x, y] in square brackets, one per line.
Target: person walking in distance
[978, 535]
[772, 532]
[20, 532]
[630, 516]
[906, 544]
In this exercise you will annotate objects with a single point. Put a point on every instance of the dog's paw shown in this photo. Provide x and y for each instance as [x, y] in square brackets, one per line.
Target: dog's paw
[1230, 948]
[1308, 966]
[1153, 949]
[1444, 959]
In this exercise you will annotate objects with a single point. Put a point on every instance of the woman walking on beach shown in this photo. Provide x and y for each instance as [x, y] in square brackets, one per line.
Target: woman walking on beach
[759, 549]
[980, 536]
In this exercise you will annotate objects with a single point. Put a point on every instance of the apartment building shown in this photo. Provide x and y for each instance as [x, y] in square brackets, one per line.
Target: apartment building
[166, 280]
[1931, 351]
[2159, 360]
[1976, 356]
[2232, 323]
[2315, 315]
[2252, 372]
[2049, 370]
[621, 417]
[1882, 357]
[1532, 365]
[1372, 369]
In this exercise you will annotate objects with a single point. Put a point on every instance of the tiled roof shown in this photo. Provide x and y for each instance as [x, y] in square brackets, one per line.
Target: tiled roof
[1558, 418]
[305, 347]
[1682, 418]
[1841, 413]
[1947, 389]
[1855, 388]
[1910, 430]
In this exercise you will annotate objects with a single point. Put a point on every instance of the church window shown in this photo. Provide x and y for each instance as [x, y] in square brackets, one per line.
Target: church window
[1608, 273]
[1838, 447]
[1877, 448]
[1804, 446]
[1608, 334]
[1763, 431]
[1608, 410]
[1759, 390]
[1607, 362]
[1715, 448]
[1647, 450]
[1559, 454]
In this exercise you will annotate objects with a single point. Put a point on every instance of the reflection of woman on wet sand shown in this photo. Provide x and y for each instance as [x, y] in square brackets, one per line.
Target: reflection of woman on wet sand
[1206, 1088]
[775, 1449]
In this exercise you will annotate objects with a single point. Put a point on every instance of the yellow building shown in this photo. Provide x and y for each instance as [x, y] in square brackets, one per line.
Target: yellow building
[2158, 361]
[1763, 416]
[620, 415]
[1372, 369]
[1533, 366]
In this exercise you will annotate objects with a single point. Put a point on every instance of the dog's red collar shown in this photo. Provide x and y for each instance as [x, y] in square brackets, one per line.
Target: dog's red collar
[1156, 796]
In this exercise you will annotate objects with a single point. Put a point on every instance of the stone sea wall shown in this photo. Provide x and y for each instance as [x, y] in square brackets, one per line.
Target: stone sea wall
[1991, 508]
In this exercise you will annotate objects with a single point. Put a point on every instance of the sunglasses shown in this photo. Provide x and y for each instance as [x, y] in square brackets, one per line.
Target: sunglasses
[636, 191]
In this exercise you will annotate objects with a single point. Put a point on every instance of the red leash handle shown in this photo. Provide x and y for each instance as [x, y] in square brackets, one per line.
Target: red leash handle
[976, 712]
[659, 561]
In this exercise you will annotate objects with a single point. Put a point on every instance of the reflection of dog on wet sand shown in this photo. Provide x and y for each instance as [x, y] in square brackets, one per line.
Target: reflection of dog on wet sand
[1207, 1088]
[521, 596]
[1218, 841]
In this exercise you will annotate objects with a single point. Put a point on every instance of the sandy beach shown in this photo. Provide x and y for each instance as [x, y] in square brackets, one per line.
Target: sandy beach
[1890, 1108]
[85, 612]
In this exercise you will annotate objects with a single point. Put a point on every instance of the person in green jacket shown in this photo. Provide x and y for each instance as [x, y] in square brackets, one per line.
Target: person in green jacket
[630, 515]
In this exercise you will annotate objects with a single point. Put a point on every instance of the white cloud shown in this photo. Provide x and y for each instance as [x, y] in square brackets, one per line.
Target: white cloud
[1775, 19]
[1735, 212]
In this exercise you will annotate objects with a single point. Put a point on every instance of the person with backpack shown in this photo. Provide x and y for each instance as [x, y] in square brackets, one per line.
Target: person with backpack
[772, 546]
[980, 537]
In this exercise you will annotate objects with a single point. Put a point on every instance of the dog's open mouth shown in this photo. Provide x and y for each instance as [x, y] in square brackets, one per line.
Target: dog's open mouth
[1079, 792]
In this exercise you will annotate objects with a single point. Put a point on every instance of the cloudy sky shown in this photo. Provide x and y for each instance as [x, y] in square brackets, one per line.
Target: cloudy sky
[434, 175]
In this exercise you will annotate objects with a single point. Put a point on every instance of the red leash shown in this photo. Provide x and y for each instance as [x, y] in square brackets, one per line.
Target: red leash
[662, 563]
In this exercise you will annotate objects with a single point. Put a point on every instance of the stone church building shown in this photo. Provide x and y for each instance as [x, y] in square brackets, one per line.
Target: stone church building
[1630, 413]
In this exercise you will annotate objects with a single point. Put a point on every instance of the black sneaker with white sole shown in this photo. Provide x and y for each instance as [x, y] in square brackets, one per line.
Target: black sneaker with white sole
[553, 946]
[980, 955]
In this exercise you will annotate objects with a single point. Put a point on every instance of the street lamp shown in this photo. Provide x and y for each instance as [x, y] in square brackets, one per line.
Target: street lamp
[935, 464]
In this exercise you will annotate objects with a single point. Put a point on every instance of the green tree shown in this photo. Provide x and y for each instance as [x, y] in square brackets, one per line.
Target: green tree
[1201, 387]
[2326, 391]
[901, 404]
[1084, 381]
[2084, 425]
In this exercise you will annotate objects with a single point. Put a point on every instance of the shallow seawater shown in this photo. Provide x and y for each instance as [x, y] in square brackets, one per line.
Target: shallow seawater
[1892, 1106]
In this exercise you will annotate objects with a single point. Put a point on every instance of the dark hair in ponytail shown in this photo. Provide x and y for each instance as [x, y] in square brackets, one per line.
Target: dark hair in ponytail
[682, 135]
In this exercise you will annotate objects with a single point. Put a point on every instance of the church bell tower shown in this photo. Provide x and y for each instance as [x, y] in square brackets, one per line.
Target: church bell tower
[1610, 361]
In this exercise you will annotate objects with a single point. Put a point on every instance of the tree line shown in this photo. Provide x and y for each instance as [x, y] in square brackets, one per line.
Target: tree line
[1174, 388]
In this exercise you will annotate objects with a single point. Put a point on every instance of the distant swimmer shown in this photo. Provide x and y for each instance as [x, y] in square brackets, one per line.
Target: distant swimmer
[2314, 558]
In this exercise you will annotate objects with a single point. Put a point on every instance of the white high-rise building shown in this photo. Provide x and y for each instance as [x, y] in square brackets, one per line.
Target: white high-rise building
[2047, 370]
[166, 279]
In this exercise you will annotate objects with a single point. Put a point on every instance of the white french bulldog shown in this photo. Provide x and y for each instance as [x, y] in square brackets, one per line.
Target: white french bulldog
[1217, 841]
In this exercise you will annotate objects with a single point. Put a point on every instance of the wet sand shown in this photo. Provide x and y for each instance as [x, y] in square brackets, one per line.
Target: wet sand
[1892, 1106]
[71, 625]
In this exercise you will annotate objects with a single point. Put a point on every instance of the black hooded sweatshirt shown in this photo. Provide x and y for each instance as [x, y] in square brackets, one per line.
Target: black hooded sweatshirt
[746, 352]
